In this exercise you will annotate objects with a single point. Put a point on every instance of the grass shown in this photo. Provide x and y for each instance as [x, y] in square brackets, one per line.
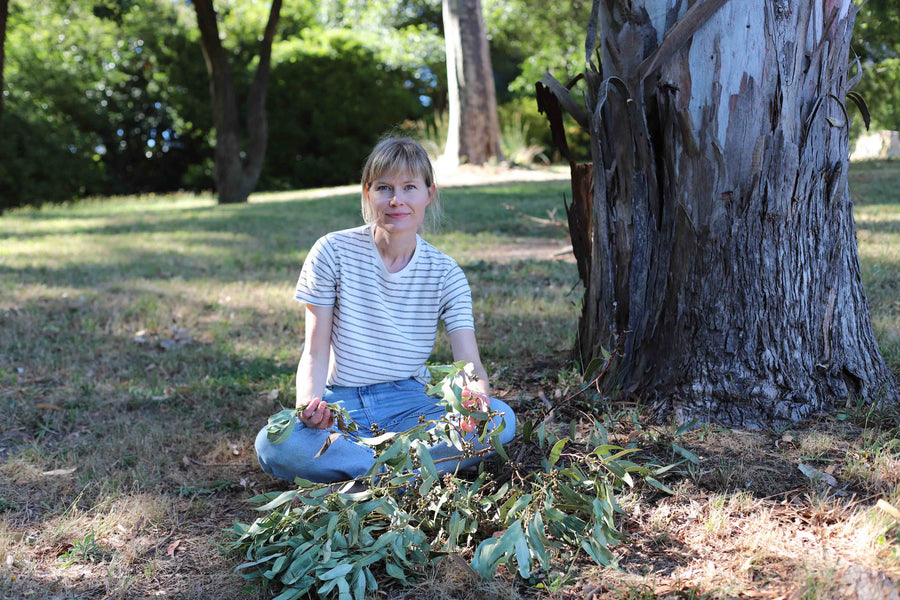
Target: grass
[143, 342]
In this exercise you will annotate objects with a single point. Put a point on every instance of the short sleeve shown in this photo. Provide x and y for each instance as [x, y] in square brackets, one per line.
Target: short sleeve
[456, 301]
[319, 277]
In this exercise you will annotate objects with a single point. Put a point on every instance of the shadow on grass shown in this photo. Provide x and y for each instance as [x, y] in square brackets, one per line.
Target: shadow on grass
[144, 381]
[260, 241]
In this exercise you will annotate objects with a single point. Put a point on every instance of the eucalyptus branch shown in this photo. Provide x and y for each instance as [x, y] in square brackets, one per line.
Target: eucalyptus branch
[324, 542]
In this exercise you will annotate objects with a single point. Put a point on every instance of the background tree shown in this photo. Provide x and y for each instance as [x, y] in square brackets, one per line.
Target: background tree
[877, 44]
[237, 169]
[473, 133]
[56, 76]
[714, 232]
[4, 11]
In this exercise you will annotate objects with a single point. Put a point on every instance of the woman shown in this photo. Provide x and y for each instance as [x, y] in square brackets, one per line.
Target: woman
[374, 295]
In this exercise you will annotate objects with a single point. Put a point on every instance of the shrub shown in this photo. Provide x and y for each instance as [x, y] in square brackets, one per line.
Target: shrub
[329, 102]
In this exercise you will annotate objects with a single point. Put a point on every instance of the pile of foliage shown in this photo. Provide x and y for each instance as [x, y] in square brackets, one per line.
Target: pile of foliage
[552, 500]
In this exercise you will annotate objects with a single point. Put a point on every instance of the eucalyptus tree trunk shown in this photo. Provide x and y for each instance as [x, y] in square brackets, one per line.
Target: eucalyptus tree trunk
[715, 235]
[473, 134]
[237, 169]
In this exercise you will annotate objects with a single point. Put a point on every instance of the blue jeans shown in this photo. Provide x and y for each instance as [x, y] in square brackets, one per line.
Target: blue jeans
[394, 406]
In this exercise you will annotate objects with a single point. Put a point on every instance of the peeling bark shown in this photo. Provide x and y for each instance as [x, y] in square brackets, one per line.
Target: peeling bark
[723, 243]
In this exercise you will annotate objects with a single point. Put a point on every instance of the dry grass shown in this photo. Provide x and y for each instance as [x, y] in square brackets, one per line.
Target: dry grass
[143, 342]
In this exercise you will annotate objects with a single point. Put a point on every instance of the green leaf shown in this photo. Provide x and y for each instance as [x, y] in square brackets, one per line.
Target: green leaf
[255, 562]
[282, 498]
[527, 428]
[602, 556]
[290, 593]
[556, 452]
[537, 539]
[492, 551]
[359, 586]
[302, 565]
[622, 452]
[343, 589]
[454, 530]
[685, 427]
[278, 566]
[686, 454]
[542, 435]
[523, 555]
[596, 364]
[375, 441]
[281, 425]
[395, 571]
[520, 504]
[658, 485]
[424, 455]
[400, 446]
[332, 524]
[497, 445]
[338, 571]
[326, 588]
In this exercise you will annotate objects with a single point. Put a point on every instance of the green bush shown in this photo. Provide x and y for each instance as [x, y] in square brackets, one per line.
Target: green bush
[521, 116]
[329, 102]
[38, 162]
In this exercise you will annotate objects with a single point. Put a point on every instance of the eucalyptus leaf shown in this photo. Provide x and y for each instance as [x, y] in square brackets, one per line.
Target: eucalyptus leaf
[338, 571]
[394, 571]
[556, 452]
[281, 425]
[660, 486]
[279, 500]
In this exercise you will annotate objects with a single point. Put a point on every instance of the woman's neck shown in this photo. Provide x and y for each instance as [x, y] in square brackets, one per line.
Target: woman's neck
[396, 250]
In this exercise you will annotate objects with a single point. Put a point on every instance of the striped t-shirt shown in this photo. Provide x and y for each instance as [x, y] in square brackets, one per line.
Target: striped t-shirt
[384, 323]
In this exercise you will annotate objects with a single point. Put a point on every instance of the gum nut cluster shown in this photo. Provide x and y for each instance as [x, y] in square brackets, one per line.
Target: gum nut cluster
[476, 402]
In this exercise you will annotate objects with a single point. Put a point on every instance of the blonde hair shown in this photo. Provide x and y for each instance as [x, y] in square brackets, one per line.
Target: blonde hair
[400, 155]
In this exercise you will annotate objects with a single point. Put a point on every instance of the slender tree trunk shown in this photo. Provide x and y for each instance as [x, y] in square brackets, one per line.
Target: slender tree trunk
[237, 172]
[473, 134]
[722, 259]
[4, 13]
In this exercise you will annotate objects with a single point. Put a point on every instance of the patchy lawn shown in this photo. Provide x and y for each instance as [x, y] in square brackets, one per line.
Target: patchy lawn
[144, 341]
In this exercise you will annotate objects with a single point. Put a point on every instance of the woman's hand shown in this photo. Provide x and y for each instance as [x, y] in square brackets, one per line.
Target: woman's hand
[317, 415]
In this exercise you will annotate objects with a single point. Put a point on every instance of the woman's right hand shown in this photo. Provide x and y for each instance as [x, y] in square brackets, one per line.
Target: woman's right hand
[317, 415]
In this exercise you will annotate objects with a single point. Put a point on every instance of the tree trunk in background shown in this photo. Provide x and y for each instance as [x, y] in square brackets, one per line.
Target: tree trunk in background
[722, 258]
[4, 13]
[473, 134]
[237, 171]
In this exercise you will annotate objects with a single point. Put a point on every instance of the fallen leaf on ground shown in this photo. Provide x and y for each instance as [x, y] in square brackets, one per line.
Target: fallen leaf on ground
[172, 548]
[817, 475]
[60, 471]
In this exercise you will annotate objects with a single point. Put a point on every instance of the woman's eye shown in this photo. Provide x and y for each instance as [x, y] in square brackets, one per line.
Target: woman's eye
[383, 188]
[410, 187]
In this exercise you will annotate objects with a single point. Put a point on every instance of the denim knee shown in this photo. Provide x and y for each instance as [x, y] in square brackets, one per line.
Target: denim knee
[296, 457]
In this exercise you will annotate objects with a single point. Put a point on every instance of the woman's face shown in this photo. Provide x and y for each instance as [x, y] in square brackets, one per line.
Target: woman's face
[398, 201]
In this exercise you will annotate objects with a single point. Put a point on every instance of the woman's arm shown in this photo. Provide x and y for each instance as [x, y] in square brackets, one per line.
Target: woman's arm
[465, 347]
[312, 371]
